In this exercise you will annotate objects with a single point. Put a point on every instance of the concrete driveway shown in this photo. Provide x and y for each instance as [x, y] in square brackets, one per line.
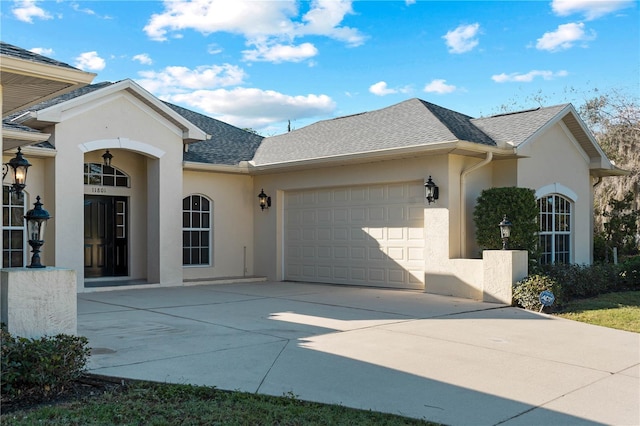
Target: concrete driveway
[443, 359]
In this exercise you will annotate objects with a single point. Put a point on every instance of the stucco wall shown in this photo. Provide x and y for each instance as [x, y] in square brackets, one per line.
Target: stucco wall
[553, 159]
[233, 205]
[121, 121]
[268, 226]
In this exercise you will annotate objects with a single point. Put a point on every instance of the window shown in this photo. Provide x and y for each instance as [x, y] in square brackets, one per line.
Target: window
[196, 230]
[13, 229]
[101, 175]
[555, 229]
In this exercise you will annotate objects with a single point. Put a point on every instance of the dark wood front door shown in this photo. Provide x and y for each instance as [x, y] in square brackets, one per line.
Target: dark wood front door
[105, 236]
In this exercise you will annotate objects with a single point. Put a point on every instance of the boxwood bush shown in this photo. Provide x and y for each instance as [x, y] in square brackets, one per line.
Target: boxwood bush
[526, 293]
[40, 368]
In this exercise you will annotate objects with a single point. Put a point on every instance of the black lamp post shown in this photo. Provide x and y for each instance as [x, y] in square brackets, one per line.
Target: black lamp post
[431, 191]
[264, 200]
[18, 166]
[505, 231]
[36, 224]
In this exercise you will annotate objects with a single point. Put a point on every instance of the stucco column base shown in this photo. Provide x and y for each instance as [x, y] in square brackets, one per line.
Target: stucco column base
[502, 268]
[39, 302]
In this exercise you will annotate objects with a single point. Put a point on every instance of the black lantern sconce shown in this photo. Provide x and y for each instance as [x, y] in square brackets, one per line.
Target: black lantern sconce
[264, 200]
[107, 158]
[505, 231]
[431, 191]
[18, 167]
[36, 223]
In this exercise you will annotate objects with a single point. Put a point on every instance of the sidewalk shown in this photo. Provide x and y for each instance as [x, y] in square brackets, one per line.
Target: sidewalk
[447, 360]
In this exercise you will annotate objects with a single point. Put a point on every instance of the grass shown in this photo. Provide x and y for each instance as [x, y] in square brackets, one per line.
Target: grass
[614, 310]
[144, 403]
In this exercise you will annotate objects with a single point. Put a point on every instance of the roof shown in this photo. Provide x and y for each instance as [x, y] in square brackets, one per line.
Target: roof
[408, 124]
[517, 127]
[228, 145]
[20, 53]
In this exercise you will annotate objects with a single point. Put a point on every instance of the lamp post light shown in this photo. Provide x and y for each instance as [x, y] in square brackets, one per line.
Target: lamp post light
[264, 200]
[107, 158]
[505, 231]
[18, 166]
[431, 191]
[36, 224]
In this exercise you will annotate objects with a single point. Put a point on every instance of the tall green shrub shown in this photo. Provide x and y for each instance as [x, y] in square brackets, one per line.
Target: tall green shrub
[520, 207]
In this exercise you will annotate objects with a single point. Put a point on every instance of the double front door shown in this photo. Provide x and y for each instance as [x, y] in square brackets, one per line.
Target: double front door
[105, 236]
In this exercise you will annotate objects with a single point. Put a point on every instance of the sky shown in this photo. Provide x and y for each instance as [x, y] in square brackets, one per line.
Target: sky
[270, 65]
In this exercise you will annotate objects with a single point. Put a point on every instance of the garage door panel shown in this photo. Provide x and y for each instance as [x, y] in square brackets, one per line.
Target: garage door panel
[371, 235]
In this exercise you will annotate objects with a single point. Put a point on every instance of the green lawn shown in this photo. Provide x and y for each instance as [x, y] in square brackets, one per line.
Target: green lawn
[614, 310]
[143, 403]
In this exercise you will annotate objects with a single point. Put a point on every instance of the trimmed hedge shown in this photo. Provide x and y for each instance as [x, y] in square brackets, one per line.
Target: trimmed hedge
[40, 368]
[569, 282]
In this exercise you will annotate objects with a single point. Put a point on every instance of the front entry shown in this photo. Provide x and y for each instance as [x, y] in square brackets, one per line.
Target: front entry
[105, 236]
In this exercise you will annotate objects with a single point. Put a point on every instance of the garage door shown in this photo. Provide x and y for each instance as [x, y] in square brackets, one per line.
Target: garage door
[365, 235]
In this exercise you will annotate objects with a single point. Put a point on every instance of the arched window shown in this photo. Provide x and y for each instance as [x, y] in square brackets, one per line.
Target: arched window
[197, 231]
[554, 238]
[13, 227]
[101, 175]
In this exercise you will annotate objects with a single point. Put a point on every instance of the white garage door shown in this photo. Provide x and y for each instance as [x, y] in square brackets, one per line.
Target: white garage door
[364, 235]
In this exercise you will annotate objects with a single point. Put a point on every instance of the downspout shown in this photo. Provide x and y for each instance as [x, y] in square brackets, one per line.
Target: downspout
[463, 193]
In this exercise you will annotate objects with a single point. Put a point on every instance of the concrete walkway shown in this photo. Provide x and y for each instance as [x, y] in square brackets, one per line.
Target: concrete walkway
[447, 360]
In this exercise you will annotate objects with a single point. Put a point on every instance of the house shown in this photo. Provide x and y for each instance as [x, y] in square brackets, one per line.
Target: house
[344, 198]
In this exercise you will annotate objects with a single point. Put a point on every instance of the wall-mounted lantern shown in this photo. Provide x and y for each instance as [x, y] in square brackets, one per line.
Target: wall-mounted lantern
[264, 200]
[431, 191]
[505, 231]
[18, 167]
[36, 224]
[107, 158]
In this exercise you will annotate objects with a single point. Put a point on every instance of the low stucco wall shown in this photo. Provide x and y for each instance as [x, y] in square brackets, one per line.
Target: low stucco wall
[39, 302]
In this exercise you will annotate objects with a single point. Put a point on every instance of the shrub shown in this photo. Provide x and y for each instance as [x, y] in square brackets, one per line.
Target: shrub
[581, 281]
[40, 368]
[629, 275]
[526, 293]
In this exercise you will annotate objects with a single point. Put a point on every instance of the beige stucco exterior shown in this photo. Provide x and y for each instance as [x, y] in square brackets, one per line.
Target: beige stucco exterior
[148, 142]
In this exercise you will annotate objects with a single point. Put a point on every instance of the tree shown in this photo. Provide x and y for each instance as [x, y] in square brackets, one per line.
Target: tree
[621, 224]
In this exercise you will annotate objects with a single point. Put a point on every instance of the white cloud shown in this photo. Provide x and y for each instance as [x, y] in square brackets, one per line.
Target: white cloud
[90, 61]
[462, 39]
[564, 37]
[280, 53]
[143, 58]
[45, 51]
[26, 10]
[528, 77]
[409, 2]
[214, 49]
[178, 79]
[255, 108]
[439, 86]
[262, 23]
[380, 89]
[591, 9]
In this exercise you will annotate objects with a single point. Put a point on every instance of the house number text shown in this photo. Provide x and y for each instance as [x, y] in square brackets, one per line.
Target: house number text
[99, 190]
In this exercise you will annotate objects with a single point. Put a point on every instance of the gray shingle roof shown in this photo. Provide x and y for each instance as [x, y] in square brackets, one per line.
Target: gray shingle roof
[228, 145]
[17, 52]
[410, 123]
[517, 127]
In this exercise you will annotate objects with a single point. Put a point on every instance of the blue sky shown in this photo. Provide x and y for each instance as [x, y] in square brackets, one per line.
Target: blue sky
[259, 64]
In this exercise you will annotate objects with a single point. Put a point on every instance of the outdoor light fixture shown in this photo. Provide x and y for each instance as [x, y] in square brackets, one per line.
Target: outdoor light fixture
[36, 224]
[18, 166]
[107, 158]
[505, 231]
[264, 200]
[431, 191]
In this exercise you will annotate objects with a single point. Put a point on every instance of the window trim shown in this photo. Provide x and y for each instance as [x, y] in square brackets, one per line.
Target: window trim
[118, 173]
[25, 245]
[554, 234]
[209, 229]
